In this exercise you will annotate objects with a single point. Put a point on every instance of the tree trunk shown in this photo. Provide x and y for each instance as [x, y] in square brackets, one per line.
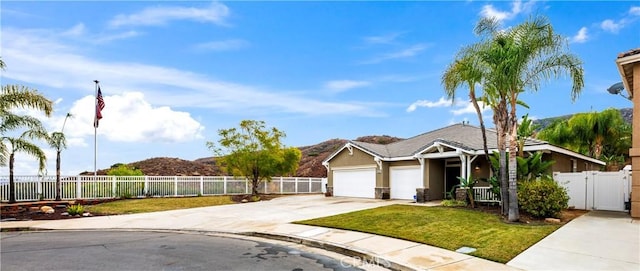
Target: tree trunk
[474, 101]
[514, 214]
[499, 119]
[58, 194]
[12, 185]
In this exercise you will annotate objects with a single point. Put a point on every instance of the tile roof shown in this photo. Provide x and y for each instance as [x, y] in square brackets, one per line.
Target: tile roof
[464, 136]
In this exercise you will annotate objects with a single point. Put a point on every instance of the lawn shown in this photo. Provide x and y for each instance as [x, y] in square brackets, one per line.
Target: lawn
[132, 206]
[448, 228]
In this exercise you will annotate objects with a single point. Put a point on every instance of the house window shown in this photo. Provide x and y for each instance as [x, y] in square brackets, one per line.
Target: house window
[574, 165]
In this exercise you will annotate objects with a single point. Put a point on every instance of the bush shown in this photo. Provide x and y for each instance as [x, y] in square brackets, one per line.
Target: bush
[542, 198]
[75, 209]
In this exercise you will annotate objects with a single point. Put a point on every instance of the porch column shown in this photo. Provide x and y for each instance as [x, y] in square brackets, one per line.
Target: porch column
[463, 165]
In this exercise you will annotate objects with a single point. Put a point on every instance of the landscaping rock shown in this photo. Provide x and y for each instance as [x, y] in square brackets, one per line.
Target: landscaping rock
[86, 214]
[65, 214]
[244, 201]
[47, 209]
[552, 220]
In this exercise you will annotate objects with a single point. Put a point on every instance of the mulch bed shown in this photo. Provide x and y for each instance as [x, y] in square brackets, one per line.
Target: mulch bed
[526, 218]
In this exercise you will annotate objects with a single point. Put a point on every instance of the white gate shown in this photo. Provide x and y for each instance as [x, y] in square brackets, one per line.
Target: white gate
[595, 190]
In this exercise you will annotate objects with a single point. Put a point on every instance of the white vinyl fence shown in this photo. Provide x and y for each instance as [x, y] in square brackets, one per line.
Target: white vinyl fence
[31, 188]
[595, 190]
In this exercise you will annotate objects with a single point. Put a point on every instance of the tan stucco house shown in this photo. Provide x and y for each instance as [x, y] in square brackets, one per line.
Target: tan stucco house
[629, 67]
[428, 165]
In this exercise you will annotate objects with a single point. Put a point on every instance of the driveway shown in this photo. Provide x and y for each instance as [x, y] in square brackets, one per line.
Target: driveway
[598, 240]
[263, 216]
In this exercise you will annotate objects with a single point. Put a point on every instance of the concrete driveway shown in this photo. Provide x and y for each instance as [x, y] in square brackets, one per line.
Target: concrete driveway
[264, 215]
[598, 240]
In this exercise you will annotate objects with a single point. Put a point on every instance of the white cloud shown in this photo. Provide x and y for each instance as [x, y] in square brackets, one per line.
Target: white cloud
[76, 30]
[130, 118]
[489, 11]
[581, 36]
[429, 104]
[116, 36]
[382, 39]
[610, 26]
[343, 85]
[635, 11]
[405, 53]
[39, 58]
[467, 108]
[223, 45]
[215, 13]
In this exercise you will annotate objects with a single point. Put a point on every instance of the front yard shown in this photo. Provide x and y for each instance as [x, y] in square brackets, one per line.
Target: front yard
[448, 228]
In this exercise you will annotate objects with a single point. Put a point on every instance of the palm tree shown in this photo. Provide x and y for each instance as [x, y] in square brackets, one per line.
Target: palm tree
[466, 70]
[22, 144]
[526, 130]
[515, 60]
[58, 141]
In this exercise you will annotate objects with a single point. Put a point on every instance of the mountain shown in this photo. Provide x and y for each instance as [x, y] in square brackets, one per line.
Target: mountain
[310, 162]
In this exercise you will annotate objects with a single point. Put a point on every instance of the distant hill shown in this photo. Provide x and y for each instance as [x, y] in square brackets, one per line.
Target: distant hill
[627, 115]
[310, 163]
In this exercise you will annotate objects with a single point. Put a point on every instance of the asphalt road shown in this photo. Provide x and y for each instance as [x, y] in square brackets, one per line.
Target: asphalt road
[123, 250]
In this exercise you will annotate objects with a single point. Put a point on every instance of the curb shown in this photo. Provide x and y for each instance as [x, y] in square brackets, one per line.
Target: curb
[363, 255]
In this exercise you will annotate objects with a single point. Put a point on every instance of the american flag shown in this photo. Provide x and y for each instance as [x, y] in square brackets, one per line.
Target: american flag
[99, 107]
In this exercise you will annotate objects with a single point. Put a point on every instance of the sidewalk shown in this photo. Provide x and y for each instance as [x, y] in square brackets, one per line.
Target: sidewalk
[253, 220]
[598, 240]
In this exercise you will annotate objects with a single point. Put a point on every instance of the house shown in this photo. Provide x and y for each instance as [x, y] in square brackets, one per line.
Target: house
[629, 67]
[428, 165]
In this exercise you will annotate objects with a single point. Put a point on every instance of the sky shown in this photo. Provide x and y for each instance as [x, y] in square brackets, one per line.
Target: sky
[172, 73]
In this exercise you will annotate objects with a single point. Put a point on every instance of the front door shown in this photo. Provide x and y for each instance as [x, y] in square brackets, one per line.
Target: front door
[451, 175]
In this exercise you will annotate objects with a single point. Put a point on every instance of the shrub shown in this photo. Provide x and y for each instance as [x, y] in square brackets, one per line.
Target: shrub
[542, 198]
[453, 203]
[75, 209]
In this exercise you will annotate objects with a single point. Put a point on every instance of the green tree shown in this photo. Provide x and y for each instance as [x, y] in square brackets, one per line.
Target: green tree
[58, 141]
[124, 170]
[526, 130]
[255, 152]
[14, 97]
[23, 144]
[465, 70]
[595, 134]
[512, 61]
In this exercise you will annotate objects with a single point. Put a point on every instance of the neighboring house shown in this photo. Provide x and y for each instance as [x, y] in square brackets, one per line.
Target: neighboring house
[629, 67]
[429, 164]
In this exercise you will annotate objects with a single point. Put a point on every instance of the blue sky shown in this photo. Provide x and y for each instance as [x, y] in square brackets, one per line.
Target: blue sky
[173, 73]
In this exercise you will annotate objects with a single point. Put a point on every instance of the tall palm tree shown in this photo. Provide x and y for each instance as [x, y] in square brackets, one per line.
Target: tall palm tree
[58, 141]
[23, 144]
[466, 70]
[520, 59]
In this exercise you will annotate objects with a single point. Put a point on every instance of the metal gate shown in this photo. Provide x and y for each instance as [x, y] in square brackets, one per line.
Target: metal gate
[596, 190]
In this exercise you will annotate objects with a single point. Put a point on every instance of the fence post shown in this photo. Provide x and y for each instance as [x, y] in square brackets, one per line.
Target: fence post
[296, 185]
[175, 186]
[246, 186]
[309, 185]
[39, 189]
[281, 185]
[201, 185]
[266, 184]
[114, 187]
[145, 189]
[78, 188]
[224, 185]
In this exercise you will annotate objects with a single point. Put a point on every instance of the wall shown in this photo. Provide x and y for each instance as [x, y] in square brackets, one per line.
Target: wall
[634, 152]
[435, 177]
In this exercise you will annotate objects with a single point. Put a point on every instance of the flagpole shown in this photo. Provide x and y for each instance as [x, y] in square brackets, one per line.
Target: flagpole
[95, 132]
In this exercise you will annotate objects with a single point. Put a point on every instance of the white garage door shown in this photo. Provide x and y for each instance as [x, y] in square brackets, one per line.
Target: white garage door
[360, 183]
[404, 181]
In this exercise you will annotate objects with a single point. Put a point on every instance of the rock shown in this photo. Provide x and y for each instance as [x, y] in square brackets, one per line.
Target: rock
[61, 206]
[86, 214]
[245, 200]
[552, 220]
[64, 214]
[47, 209]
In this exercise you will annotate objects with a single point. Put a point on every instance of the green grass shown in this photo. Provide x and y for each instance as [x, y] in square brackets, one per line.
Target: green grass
[132, 206]
[448, 228]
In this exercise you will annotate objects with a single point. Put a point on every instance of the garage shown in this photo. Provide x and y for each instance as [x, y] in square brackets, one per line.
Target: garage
[357, 182]
[404, 181]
